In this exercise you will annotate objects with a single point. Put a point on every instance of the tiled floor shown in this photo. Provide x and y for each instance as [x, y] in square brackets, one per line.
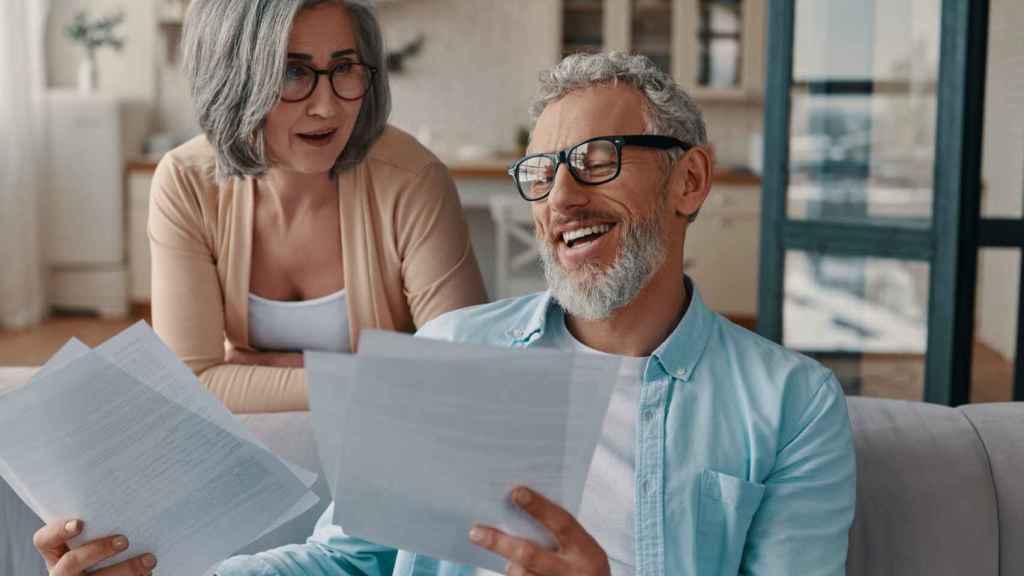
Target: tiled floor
[897, 376]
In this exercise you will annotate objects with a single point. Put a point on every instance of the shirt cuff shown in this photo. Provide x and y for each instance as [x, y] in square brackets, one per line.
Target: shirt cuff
[244, 566]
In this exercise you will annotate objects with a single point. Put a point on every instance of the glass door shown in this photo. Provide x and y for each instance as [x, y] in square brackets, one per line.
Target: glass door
[863, 211]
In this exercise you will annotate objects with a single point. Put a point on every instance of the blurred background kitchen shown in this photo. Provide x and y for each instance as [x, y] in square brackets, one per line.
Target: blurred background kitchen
[874, 259]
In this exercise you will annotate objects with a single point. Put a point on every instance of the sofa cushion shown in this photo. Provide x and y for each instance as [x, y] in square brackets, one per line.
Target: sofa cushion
[925, 497]
[1001, 428]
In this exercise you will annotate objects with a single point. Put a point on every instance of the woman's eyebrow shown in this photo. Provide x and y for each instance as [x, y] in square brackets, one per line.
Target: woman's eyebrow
[309, 57]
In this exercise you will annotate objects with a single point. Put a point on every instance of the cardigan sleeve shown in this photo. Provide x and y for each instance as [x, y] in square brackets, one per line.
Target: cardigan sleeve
[439, 269]
[188, 300]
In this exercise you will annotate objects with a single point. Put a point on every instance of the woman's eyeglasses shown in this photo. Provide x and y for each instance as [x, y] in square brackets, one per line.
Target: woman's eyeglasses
[349, 80]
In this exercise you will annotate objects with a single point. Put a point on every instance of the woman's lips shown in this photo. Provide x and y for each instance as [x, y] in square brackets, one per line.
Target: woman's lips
[318, 140]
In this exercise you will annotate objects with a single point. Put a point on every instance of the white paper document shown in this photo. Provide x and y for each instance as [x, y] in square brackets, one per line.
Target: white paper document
[425, 438]
[127, 439]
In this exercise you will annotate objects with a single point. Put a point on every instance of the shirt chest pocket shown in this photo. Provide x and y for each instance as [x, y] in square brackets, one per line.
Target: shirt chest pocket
[727, 505]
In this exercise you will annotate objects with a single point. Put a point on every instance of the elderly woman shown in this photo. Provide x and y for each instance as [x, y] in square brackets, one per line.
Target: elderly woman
[299, 217]
[296, 220]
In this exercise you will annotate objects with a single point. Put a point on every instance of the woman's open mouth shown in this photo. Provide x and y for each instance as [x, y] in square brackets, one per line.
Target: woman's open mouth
[318, 139]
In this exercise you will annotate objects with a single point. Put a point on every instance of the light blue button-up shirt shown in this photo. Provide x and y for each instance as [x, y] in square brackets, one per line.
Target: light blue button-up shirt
[744, 457]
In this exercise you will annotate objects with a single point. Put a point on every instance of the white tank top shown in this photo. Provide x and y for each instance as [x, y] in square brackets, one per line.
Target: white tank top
[320, 324]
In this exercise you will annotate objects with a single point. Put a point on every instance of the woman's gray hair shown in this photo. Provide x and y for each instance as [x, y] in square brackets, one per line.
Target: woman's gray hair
[234, 53]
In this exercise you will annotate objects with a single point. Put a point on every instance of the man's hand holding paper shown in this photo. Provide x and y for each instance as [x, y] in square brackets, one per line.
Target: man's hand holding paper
[473, 421]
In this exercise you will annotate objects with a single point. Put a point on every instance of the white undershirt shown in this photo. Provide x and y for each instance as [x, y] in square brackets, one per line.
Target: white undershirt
[606, 511]
[319, 324]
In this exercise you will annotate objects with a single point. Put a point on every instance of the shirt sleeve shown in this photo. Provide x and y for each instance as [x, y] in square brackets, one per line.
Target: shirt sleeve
[803, 522]
[328, 552]
[188, 303]
[439, 269]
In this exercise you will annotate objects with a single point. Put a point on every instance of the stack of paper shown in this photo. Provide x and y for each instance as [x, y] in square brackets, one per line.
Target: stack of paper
[126, 438]
[419, 439]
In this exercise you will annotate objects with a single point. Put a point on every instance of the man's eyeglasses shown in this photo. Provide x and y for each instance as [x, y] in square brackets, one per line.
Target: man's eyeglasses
[591, 162]
[349, 80]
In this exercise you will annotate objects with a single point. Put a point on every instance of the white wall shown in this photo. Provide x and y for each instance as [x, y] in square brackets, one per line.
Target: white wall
[1003, 173]
[472, 82]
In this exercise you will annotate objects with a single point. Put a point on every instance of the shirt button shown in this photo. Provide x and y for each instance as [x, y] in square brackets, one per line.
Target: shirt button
[648, 487]
[648, 415]
[681, 373]
[517, 333]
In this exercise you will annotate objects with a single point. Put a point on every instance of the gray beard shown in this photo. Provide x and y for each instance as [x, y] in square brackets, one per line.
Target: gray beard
[591, 293]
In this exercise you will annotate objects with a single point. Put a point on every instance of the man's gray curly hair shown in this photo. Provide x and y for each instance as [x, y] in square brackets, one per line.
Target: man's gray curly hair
[669, 110]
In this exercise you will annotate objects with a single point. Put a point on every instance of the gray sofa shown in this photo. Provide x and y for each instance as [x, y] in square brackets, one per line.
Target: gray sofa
[940, 491]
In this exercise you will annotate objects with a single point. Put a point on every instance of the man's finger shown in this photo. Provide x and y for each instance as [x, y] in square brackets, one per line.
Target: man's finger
[528, 555]
[566, 530]
[88, 555]
[51, 540]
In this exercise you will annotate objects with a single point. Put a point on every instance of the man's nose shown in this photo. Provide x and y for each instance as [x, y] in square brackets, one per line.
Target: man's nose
[567, 193]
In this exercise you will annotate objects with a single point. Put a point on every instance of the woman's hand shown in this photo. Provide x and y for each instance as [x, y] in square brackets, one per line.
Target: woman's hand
[51, 542]
[576, 551]
[274, 359]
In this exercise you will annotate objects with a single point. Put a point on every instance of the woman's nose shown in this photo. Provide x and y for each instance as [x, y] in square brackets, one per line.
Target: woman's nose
[323, 102]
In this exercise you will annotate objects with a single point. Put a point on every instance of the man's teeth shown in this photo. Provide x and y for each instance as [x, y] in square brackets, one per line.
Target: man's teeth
[573, 235]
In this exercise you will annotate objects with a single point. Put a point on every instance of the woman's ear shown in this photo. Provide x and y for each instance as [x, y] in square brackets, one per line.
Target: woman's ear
[690, 182]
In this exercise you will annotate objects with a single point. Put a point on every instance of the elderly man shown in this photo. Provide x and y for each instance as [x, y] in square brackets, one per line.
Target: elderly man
[721, 453]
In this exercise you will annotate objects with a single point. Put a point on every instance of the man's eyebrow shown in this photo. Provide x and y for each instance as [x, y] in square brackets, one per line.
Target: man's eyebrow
[309, 57]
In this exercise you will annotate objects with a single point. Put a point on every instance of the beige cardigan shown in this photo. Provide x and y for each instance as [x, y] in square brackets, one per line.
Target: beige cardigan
[404, 243]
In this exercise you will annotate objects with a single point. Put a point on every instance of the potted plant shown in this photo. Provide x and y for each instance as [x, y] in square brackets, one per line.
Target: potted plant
[92, 35]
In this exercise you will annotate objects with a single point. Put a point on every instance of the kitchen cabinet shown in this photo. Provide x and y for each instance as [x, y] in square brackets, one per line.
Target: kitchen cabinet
[723, 250]
[713, 48]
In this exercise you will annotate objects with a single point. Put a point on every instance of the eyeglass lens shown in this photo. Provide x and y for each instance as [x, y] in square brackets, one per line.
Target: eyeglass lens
[592, 162]
[350, 81]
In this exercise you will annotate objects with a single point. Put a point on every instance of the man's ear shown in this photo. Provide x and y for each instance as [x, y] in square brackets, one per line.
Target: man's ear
[690, 182]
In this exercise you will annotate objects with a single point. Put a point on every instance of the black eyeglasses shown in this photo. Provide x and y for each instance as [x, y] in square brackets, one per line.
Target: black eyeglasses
[591, 162]
[349, 80]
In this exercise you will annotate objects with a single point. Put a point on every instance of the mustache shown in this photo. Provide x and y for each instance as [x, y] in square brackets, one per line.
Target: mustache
[582, 215]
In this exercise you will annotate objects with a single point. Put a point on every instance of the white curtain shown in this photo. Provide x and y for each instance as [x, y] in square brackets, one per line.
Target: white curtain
[22, 145]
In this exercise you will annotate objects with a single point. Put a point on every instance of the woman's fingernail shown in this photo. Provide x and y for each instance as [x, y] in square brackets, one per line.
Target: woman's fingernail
[521, 496]
[71, 526]
[149, 561]
[476, 534]
[120, 543]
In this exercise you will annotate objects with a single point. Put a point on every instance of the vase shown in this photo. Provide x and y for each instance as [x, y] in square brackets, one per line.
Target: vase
[87, 75]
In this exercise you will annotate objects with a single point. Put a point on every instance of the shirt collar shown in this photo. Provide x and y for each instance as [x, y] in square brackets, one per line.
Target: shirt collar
[682, 350]
[534, 323]
[678, 355]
